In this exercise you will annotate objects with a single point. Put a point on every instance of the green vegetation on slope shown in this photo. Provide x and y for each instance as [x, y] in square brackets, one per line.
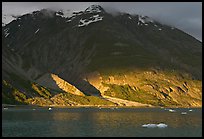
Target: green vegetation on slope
[43, 92]
[83, 100]
[126, 92]
[11, 95]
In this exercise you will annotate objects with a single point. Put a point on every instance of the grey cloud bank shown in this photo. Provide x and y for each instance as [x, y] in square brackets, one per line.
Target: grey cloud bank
[186, 16]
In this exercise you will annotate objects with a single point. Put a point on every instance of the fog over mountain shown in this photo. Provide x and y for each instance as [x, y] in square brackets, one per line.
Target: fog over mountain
[186, 16]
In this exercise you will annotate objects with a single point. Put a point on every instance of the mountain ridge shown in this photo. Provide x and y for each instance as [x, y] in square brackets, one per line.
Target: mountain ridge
[94, 41]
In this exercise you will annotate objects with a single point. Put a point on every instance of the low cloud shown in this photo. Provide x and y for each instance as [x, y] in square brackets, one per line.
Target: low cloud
[186, 16]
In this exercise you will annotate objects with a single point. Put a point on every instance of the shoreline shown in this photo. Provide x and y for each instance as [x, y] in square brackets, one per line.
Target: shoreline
[90, 106]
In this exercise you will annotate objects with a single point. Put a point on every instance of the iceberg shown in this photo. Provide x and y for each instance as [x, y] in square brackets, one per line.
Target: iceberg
[160, 125]
[149, 125]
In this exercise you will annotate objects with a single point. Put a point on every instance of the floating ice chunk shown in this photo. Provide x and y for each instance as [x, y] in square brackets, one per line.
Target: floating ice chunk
[5, 108]
[184, 113]
[149, 125]
[172, 110]
[160, 125]
[49, 109]
[190, 110]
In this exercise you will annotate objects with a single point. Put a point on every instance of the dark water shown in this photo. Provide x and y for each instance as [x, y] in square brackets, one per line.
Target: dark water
[95, 122]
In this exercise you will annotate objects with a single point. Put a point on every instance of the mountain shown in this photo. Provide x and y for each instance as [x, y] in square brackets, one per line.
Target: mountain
[91, 57]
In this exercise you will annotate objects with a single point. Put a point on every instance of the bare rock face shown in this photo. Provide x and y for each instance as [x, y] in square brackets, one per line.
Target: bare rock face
[48, 81]
[65, 86]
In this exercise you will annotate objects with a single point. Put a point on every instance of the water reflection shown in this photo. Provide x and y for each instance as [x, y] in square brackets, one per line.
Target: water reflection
[95, 122]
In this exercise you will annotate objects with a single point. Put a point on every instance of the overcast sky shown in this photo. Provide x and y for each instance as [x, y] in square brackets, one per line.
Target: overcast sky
[186, 16]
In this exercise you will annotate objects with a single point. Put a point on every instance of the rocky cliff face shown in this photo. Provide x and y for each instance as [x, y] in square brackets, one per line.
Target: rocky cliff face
[150, 87]
[92, 53]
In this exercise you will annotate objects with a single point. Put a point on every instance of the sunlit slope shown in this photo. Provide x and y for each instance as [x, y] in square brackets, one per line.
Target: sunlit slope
[135, 58]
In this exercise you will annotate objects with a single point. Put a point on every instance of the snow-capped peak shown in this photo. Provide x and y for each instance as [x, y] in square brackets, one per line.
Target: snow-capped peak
[7, 19]
[144, 19]
[68, 13]
[64, 13]
[94, 9]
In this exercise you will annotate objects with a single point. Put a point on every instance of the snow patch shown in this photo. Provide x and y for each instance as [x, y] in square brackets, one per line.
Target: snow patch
[6, 32]
[57, 14]
[6, 19]
[65, 13]
[68, 20]
[37, 31]
[160, 29]
[140, 19]
[85, 22]
[95, 16]
[129, 17]
[68, 14]
[144, 20]
[77, 13]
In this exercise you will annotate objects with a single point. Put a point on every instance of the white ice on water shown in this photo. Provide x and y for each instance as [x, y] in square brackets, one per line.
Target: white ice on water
[160, 125]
